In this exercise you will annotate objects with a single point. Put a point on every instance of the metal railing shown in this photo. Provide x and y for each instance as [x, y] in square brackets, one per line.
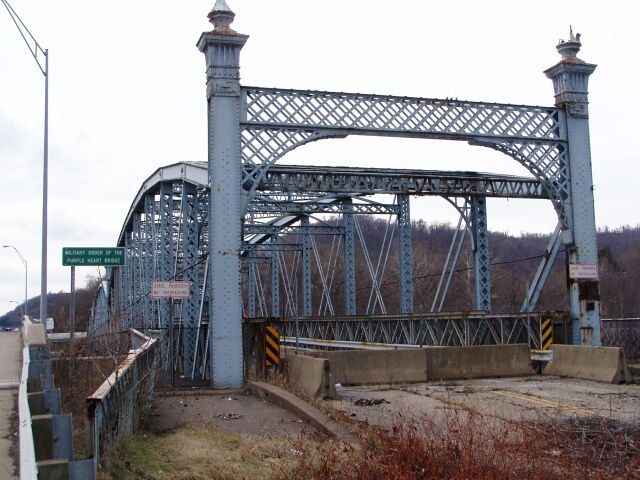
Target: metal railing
[118, 406]
[622, 332]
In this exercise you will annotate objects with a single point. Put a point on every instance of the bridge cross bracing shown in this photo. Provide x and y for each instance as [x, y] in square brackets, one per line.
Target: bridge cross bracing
[244, 206]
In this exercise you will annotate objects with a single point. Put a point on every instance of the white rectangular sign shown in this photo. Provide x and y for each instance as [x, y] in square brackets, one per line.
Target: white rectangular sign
[170, 289]
[583, 271]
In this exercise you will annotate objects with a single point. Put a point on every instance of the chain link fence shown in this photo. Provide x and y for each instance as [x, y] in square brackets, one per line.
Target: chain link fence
[622, 332]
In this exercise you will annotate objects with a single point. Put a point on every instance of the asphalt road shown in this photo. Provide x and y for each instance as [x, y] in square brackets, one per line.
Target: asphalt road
[522, 398]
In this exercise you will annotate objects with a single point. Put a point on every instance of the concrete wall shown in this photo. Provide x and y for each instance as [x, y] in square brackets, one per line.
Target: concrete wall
[361, 367]
[449, 363]
[414, 365]
[603, 364]
[309, 376]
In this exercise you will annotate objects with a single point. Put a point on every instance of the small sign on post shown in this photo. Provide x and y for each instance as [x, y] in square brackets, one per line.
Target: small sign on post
[92, 256]
[583, 271]
[170, 289]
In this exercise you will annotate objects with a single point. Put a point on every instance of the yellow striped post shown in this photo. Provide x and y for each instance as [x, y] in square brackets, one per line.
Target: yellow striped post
[272, 346]
[546, 334]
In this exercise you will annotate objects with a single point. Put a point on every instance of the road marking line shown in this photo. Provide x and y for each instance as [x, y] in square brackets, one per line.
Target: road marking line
[547, 403]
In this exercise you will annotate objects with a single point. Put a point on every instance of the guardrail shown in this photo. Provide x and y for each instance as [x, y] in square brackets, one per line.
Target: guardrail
[441, 329]
[118, 405]
[46, 442]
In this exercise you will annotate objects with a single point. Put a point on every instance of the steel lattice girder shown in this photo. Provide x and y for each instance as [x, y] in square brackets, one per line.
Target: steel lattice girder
[279, 120]
[405, 255]
[313, 207]
[475, 328]
[306, 230]
[384, 114]
[481, 260]
[284, 178]
[295, 180]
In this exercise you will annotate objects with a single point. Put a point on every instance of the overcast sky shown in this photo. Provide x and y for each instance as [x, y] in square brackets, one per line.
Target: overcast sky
[127, 96]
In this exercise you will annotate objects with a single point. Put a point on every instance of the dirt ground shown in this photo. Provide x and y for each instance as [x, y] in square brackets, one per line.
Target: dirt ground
[229, 411]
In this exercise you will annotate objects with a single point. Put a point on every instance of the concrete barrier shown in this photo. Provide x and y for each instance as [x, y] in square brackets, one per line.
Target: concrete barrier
[34, 334]
[362, 367]
[603, 364]
[449, 363]
[310, 376]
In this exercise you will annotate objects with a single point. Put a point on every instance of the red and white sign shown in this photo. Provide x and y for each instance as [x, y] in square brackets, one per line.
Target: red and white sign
[170, 289]
[583, 271]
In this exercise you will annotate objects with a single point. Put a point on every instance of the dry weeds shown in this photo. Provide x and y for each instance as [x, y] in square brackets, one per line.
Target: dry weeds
[468, 446]
[465, 446]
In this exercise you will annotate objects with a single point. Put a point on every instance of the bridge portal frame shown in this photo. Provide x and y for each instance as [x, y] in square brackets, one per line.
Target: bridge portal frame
[250, 128]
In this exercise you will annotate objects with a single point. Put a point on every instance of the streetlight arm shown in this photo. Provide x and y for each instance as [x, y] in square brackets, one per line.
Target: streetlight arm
[24, 262]
[35, 49]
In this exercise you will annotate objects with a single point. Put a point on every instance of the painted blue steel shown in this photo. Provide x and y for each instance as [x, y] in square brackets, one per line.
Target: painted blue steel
[314, 207]
[349, 259]
[99, 314]
[454, 328]
[128, 291]
[222, 55]
[251, 285]
[272, 246]
[191, 271]
[165, 253]
[251, 128]
[307, 305]
[350, 180]
[542, 273]
[481, 258]
[304, 229]
[570, 79]
[150, 255]
[405, 255]
[529, 134]
[275, 280]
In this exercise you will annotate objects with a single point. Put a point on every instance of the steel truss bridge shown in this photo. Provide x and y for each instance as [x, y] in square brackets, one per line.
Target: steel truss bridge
[259, 239]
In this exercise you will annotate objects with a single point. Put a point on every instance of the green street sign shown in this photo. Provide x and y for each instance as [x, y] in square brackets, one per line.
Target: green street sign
[93, 256]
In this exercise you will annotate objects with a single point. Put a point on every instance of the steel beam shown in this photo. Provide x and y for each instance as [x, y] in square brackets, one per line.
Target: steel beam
[570, 79]
[222, 54]
[349, 259]
[481, 258]
[405, 255]
[350, 180]
[307, 306]
[275, 280]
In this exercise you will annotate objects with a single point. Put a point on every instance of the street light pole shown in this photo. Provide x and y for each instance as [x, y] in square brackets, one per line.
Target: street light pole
[24, 262]
[37, 52]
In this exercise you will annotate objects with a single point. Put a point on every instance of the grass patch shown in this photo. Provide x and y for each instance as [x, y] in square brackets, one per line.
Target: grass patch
[202, 453]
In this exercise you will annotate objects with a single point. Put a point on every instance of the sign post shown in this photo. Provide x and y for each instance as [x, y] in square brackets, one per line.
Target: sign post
[86, 257]
[171, 290]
